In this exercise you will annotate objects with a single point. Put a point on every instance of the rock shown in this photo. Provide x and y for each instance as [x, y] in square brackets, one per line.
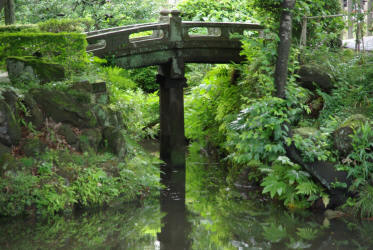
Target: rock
[307, 132]
[313, 74]
[316, 105]
[10, 131]
[342, 136]
[4, 150]
[115, 141]
[66, 107]
[90, 140]
[26, 69]
[36, 115]
[332, 214]
[100, 92]
[33, 147]
[324, 172]
[67, 131]
[106, 117]
[4, 79]
[83, 86]
[11, 99]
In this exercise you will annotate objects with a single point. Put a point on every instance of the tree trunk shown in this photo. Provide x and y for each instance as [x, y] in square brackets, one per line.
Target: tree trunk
[9, 12]
[2, 3]
[283, 48]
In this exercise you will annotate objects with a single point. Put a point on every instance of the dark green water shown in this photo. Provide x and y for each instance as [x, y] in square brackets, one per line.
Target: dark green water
[211, 216]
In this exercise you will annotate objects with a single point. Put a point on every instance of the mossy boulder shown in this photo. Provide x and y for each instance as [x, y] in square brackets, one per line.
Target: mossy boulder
[66, 107]
[307, 132]
[36, 116]
[90, 140]
[31, 68]
[107, 117]
[10, 131]
[115, 141]
[311, 75]
[342, 136]
[67, 131]
[4, 150]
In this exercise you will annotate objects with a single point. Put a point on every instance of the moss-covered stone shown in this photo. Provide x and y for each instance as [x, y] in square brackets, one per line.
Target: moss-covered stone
[34, 69]
[89, 140]
[10, 131]
[66, 107]
[33, 147]
[307, 132]
[83, 86]
[106, 117]
[4, 150]
[342, 136]
[36, 115]
[311, 75]
[115, 141]
[67, 131]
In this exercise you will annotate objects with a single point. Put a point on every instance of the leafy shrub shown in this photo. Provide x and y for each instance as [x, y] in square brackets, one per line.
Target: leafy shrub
[18, 28]
[66, 25]
[59, 180]
[210, 10]
[65, 48]
[286, 181]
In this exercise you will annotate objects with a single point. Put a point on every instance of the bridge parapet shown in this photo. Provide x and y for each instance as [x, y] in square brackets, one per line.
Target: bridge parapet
[156, 43]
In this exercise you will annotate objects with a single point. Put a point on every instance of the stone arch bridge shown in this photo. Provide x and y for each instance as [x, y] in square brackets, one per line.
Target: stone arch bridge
[170, 43]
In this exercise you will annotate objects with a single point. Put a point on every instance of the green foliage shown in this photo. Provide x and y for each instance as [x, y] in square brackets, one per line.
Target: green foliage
[18, 28]
[66, 25]
[64, 48]
[138, 110]
[210, 10]
[364, 202]
[360, 160]
[286, 181]
[118, 77]
[314, 147]
[103, 13]
[58, 180]
[145, 78]
[318, 30]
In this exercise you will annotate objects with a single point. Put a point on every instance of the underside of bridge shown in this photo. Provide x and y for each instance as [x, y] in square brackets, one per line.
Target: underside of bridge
[170, 46]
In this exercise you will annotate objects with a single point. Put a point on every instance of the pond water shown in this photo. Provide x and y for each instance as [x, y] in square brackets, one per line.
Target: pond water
[208, 216]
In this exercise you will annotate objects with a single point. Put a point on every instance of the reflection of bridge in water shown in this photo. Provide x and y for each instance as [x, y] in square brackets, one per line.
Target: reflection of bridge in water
[170, 43]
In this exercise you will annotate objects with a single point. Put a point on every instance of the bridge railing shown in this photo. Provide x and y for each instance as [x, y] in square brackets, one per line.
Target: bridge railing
[168, 34]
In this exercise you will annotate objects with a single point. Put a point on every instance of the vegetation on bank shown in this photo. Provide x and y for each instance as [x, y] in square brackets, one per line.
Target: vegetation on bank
[231, 111]
[74, 143]
[234, 115]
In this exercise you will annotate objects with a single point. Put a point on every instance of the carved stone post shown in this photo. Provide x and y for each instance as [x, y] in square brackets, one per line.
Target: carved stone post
[172, 81]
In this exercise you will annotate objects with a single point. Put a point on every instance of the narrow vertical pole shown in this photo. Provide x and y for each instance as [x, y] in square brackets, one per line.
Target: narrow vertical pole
[303, 39]
[350, 23]
[370, 17]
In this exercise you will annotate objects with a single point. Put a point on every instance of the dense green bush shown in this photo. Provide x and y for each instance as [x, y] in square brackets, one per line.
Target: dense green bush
[66, 25]
[210, 10]
[66, 48]
[103, 13]
[58, 181]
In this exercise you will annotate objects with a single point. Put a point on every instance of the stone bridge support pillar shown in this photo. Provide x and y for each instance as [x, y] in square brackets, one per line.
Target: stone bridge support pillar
[172, 134]
[172, 81]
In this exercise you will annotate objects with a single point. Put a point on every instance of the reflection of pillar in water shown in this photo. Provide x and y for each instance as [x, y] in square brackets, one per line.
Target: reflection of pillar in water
[174, 234]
